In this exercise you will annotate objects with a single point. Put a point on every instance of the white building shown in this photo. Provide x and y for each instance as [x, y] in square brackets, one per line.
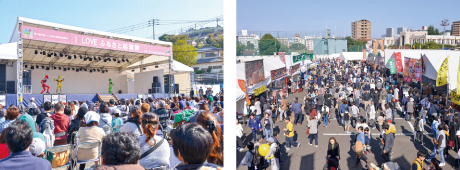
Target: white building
[309, 42]
[390, 32]
[387, 41]
[283, 40]
[209, 58]
[422, 39]
[245, 38]
[406, 36]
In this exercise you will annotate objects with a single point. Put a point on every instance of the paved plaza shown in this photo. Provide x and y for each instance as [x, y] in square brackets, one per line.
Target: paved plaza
[310, 157]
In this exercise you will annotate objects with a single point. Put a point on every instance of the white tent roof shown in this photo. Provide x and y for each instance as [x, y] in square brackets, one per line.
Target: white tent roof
[433, 60]
[351, 56]
[178, 66]
[9, 51]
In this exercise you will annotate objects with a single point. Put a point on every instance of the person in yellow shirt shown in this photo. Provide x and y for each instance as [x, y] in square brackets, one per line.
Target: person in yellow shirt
[289, 132]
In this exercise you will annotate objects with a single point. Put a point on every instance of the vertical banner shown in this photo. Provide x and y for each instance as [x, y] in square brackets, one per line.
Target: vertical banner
[441, 79]
[391, 64]
[242, 85]
[381, 44]
[375, 48]
[364, 54]
[281, 55]
[418, 70]
[338, 60]
[254, 72]
[369, 46]
[398, 61]
[455, 97]
[458, 80]
[406, 67]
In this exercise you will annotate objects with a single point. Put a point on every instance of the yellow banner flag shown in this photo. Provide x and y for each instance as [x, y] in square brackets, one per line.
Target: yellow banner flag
[381, 44]
[458, 81]
[455, 97]
[441, 80]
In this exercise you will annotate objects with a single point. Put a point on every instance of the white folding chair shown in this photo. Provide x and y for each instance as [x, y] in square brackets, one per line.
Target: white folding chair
[90, 145]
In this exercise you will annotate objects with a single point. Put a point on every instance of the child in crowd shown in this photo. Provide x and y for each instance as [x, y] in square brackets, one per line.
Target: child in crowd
[367, 140]
[117, 121]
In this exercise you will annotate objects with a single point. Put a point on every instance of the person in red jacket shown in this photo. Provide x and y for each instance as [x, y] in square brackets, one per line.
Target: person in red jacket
[61, 124]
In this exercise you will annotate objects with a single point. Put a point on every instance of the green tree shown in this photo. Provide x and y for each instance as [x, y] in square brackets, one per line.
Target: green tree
[164, 37]
[219, 41]
[240, 47]
[268, 45]
[297, 47]
[433, 31]
[184, 52]
[250, 46]
[174, 38]
[431, 45]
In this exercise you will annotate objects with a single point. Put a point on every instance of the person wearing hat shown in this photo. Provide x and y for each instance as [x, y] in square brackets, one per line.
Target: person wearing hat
[274, 161]
[88, 133]
[32, 104]
[410, 108]
[37, 148]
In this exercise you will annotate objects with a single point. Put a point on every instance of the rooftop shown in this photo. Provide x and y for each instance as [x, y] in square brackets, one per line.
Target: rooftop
[209, 60]
[208, 49]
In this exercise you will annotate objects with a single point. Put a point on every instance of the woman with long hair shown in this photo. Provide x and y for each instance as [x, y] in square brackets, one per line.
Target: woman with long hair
[160, 156]
[333, 149]
[208, 121]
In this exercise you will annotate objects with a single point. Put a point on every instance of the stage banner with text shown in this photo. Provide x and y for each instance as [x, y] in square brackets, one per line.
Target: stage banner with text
[242, 85]
[47, 35]
[63, 98]
[47, 98]
[54, 99]
[275, 74]
[254, 72]
[398, 60]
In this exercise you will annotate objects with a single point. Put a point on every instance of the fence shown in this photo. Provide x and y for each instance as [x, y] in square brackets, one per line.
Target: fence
[245, 46]
[356, 48]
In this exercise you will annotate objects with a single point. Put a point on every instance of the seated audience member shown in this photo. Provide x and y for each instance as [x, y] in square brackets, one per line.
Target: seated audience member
[18, 137]
[209, 122]
[162, 113]
[117, 120]
[160, 156]
[133, 125]
[47, 106]
[61, 124]
[2, 114]
[192, 145]
[88, 133]
[106, 117]
[11, 115]
[37, 148]
[145, 108]
[120, 151]
[75, 124]
[30, 120]
[68, 112]
[4, 151]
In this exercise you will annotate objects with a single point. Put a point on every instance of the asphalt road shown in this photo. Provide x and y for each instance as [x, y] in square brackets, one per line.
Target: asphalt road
[310, 157]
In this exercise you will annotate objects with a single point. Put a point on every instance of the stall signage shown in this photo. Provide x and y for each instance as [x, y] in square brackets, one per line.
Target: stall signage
[254, 72]
[275, 74]
[260, 90]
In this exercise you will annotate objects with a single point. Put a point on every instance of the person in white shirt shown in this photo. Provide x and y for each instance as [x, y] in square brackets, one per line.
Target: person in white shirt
[239, 134]
[32, 105]
[371, 112]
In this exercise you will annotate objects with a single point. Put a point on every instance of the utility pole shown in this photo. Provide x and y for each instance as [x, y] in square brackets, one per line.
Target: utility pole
[444, 23]
[153, 26]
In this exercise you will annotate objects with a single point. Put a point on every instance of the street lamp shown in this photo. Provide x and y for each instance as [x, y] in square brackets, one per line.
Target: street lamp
[444, 23]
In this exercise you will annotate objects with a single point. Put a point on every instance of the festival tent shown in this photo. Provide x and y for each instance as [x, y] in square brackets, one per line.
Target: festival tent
[351, 56]
[433, 60]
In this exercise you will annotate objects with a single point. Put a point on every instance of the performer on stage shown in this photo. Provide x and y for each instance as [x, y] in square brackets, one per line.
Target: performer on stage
[110, 86]
[59, 81]
[43, 82]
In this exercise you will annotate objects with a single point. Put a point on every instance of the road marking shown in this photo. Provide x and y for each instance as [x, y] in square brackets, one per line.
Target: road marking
[348, 134]
[412, 127]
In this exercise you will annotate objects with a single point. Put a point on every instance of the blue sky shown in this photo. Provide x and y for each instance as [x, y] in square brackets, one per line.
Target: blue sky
[104, 15]
[309, 16]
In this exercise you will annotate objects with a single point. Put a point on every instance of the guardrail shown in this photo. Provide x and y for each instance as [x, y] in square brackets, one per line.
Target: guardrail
[210, 76]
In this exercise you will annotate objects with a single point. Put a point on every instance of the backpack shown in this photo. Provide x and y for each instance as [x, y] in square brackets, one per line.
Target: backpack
[47, 129]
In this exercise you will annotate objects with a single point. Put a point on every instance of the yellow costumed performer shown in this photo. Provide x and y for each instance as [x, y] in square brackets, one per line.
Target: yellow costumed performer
[59, 81]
